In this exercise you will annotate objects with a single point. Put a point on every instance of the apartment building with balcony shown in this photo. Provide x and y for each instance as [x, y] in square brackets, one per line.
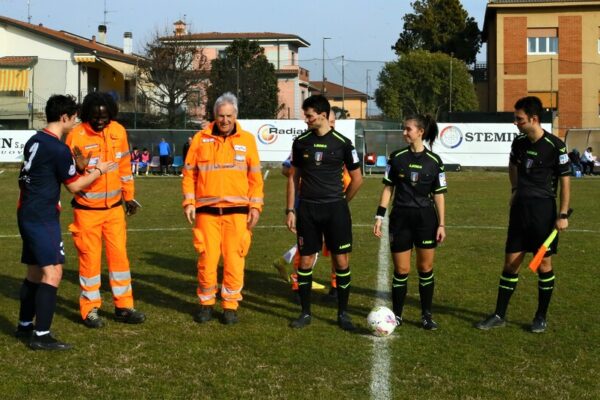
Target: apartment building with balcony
[281, 49]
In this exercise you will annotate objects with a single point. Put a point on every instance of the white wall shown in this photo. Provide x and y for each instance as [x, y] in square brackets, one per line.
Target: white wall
[18, 42]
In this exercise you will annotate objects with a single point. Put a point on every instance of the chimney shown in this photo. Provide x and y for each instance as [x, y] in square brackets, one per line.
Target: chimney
[102, 34]
[180, 28]
[127, 43]
[93, 40]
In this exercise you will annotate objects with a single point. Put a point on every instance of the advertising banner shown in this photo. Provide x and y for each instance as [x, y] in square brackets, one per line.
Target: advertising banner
[476, 145]
[274, 137]
[12, 144]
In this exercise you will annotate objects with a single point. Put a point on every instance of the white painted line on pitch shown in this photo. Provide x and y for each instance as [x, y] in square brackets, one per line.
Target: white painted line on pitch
[380, 368]
[354, 225]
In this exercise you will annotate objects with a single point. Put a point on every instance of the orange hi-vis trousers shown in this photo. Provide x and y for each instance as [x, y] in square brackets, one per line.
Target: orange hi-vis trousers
[216, 235]
[88, 229]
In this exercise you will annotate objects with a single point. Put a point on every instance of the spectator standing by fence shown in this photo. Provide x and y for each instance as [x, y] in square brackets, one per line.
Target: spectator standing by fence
[164, 151]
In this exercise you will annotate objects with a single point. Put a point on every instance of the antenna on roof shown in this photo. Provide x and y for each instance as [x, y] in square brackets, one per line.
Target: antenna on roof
[105, 22]
[28, 11]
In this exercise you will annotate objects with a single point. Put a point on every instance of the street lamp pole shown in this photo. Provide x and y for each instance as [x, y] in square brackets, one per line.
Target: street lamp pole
[343, 91]
[323, 59]
[367, 105]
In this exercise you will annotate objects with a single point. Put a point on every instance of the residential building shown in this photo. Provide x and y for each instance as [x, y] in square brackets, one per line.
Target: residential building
[281, 49]
[351, 100]
[550, 49]
[37, 62]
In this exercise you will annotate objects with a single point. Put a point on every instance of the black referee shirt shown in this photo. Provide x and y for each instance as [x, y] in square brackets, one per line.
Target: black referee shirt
[321, 160]
[415, 176]
[539, 165]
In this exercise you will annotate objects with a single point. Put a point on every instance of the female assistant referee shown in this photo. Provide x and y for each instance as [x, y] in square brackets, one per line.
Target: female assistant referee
[415, 177]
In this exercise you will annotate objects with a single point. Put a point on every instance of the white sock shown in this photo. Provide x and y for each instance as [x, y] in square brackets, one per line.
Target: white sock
[25, 323]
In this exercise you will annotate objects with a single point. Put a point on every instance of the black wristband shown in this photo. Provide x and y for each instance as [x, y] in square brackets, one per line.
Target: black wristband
[381, 211]
[289, 210]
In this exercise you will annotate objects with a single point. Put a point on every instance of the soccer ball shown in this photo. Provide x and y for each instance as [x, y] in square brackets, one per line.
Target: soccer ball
[382, 321]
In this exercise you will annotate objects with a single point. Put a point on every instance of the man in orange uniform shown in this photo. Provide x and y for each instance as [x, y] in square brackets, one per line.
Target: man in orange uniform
[223, 198]
[98, 212]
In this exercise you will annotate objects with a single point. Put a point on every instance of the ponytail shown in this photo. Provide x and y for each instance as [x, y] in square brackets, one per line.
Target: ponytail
[429, 126]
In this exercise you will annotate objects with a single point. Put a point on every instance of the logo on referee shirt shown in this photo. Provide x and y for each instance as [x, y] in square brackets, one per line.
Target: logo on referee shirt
[318, 157]
[451, 137]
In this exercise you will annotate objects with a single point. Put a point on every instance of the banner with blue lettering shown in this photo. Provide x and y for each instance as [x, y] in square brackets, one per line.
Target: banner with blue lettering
[476, 145]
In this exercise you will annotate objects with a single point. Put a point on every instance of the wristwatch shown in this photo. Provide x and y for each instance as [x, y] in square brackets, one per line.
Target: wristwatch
[563, 216]
[289, 210]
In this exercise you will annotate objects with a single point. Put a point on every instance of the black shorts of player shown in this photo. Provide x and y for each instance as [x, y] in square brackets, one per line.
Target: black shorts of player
[531, 221]
[42, 243]
[331, 221]
[411, 226]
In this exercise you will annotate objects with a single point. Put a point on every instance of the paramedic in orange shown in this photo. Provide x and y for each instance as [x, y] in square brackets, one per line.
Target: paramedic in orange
[223, 198]
[98, 211]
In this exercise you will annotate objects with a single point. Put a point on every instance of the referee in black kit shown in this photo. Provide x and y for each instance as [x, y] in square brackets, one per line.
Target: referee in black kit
[318, 159]
[416, 180]
[538, 161]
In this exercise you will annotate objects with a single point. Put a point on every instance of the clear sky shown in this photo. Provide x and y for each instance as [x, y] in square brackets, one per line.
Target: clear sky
[360, 30]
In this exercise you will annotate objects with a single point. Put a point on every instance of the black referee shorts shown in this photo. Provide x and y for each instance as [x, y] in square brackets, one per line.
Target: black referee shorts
[531, 221]
[331, 221]
[411, 226]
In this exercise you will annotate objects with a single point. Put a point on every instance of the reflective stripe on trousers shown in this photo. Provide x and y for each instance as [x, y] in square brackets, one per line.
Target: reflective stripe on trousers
[89, 228]
[213, 234]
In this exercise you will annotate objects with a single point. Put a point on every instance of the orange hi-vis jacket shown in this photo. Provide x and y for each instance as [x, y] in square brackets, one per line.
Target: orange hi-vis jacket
[223, 171]
[109, 145]
[98, 216]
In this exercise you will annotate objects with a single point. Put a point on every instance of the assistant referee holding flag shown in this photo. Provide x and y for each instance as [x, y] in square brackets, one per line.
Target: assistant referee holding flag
[538, 161]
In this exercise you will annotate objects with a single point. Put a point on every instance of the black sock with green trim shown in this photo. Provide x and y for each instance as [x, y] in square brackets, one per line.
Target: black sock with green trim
[399, 289]
[426, 286]
[343, 279]
[545, 288]
[27, 297]
[506, 288]
[304, 288]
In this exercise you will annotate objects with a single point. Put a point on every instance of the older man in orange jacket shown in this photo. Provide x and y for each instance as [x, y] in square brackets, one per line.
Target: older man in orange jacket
[98, 210]
[223, 198]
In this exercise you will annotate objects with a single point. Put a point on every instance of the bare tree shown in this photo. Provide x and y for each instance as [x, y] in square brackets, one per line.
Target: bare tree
[173, 73]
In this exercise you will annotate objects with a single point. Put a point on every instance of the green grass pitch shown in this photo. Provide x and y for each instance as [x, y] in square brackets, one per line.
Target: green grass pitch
[171, 357]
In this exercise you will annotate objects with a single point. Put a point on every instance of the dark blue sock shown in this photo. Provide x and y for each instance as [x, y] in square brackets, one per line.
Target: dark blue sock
[45, 304]
[27, 296]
